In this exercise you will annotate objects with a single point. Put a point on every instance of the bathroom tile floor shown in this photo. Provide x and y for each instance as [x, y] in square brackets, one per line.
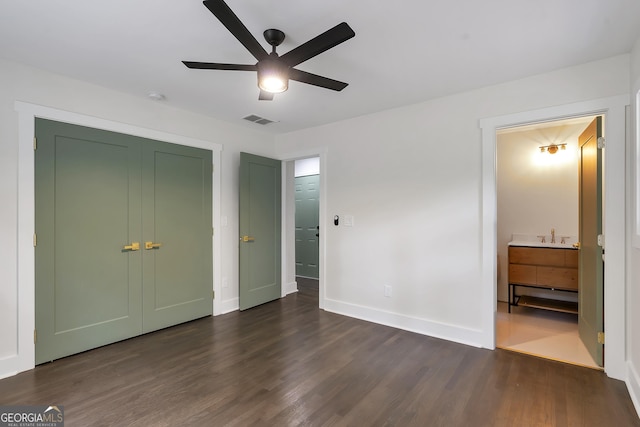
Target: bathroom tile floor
[541, 333]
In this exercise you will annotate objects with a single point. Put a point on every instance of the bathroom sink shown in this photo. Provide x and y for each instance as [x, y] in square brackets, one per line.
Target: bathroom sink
[536, 241]
[539, 244]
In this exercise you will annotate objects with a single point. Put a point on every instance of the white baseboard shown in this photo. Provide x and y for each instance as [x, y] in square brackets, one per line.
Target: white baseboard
[633, 386]
[14, 364]
[233, 304]
[444, 331]
[229, 305]
[290, 288]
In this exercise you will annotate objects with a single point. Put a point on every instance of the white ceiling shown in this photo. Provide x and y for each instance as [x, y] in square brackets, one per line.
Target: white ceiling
[403, 52]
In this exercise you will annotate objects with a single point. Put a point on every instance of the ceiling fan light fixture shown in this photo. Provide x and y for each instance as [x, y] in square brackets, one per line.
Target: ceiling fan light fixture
[273, 84]
[272, 76]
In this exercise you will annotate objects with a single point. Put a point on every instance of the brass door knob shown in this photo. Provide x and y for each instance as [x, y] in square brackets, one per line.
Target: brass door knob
[576, 245]
[247, 239]
[134, 246]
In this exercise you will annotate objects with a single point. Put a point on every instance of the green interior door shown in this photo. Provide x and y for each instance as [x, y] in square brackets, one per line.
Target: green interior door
[591, 265]
[260, 207]
[88, 287]
[177, 247]
[307, 192]
[100, 196]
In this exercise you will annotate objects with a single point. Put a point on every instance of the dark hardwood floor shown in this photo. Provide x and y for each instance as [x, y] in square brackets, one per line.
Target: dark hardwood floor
[287, 363]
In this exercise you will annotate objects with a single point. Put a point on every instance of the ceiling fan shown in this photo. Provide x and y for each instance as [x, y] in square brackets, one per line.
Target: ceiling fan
[274, 71]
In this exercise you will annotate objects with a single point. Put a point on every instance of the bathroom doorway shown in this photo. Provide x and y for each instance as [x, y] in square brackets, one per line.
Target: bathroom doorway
[538, 206]
[307, 223]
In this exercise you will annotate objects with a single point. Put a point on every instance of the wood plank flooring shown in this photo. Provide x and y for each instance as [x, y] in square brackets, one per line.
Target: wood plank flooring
[286, 363]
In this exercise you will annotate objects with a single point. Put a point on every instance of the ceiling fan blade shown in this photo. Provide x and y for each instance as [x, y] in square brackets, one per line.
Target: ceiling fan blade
[325, 41]
[265, 96]
[229, 19]
[216, 66]
[316, 80]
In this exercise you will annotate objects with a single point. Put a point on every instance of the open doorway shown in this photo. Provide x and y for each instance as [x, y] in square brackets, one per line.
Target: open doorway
[307, 223]
[538, 215]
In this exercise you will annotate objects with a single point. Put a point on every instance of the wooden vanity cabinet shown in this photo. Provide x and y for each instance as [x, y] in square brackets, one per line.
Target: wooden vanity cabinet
[543, 268]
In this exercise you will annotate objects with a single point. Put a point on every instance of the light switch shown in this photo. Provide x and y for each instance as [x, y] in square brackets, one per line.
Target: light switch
[348, 220]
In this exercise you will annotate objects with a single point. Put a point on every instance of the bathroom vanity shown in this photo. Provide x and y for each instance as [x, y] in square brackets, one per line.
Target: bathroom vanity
[540, 266]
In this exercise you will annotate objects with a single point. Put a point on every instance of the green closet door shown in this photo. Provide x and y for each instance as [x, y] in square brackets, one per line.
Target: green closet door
[260, 216]
[100, 197]
[88, 287]
[178, 274]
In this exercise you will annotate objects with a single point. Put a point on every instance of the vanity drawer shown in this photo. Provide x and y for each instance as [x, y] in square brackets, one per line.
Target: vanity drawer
[558, 277]
[536, 256]
[525, 274]
[571, 258]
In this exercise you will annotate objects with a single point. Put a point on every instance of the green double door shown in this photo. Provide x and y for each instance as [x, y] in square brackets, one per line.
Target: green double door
[123, 237]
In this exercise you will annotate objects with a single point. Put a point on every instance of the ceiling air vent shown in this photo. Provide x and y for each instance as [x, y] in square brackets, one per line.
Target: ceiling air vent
[257, 119]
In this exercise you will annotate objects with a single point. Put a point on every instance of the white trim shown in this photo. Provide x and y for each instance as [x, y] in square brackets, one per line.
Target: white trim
[288, 171]
[320, 152]
[229, 305]
[633, 385]
[472, 337]
[613, 109]
[290, 288]
[27, 113]
[635, 168]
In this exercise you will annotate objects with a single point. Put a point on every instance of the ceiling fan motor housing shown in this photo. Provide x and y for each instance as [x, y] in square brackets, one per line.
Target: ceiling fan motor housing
[273, 37]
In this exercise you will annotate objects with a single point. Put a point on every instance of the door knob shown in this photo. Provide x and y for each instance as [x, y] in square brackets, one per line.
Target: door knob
[247, 239]
[576, 245]
[134, 246]
[151, 245]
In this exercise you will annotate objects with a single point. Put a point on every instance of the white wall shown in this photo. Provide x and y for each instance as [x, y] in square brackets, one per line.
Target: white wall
[411, 178]
[536, 192]
[633, 259]
[20, 83]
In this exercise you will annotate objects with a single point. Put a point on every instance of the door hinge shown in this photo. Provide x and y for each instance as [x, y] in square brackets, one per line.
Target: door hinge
[601, 240]
[601, 142]
[600, 337]
[35, 143]
[35, 335]
[213, 295]
[35, 240]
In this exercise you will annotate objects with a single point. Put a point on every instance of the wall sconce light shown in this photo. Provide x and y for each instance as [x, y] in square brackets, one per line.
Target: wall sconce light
[553, 148]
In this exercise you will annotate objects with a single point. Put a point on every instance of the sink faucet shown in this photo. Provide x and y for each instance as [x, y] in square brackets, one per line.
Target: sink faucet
[553, 235]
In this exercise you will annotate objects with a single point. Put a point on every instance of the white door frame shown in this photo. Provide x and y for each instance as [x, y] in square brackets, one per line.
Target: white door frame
[288, 219]
[24, 359]
[613, 109]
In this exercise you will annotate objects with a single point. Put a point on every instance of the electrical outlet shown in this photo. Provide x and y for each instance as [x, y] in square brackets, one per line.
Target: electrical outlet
[387, 291]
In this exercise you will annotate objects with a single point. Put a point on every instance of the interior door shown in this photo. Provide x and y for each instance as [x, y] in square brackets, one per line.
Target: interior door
[88, 288]
[591, 264]
[177, 248]
[307, 226]
[260, 224]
